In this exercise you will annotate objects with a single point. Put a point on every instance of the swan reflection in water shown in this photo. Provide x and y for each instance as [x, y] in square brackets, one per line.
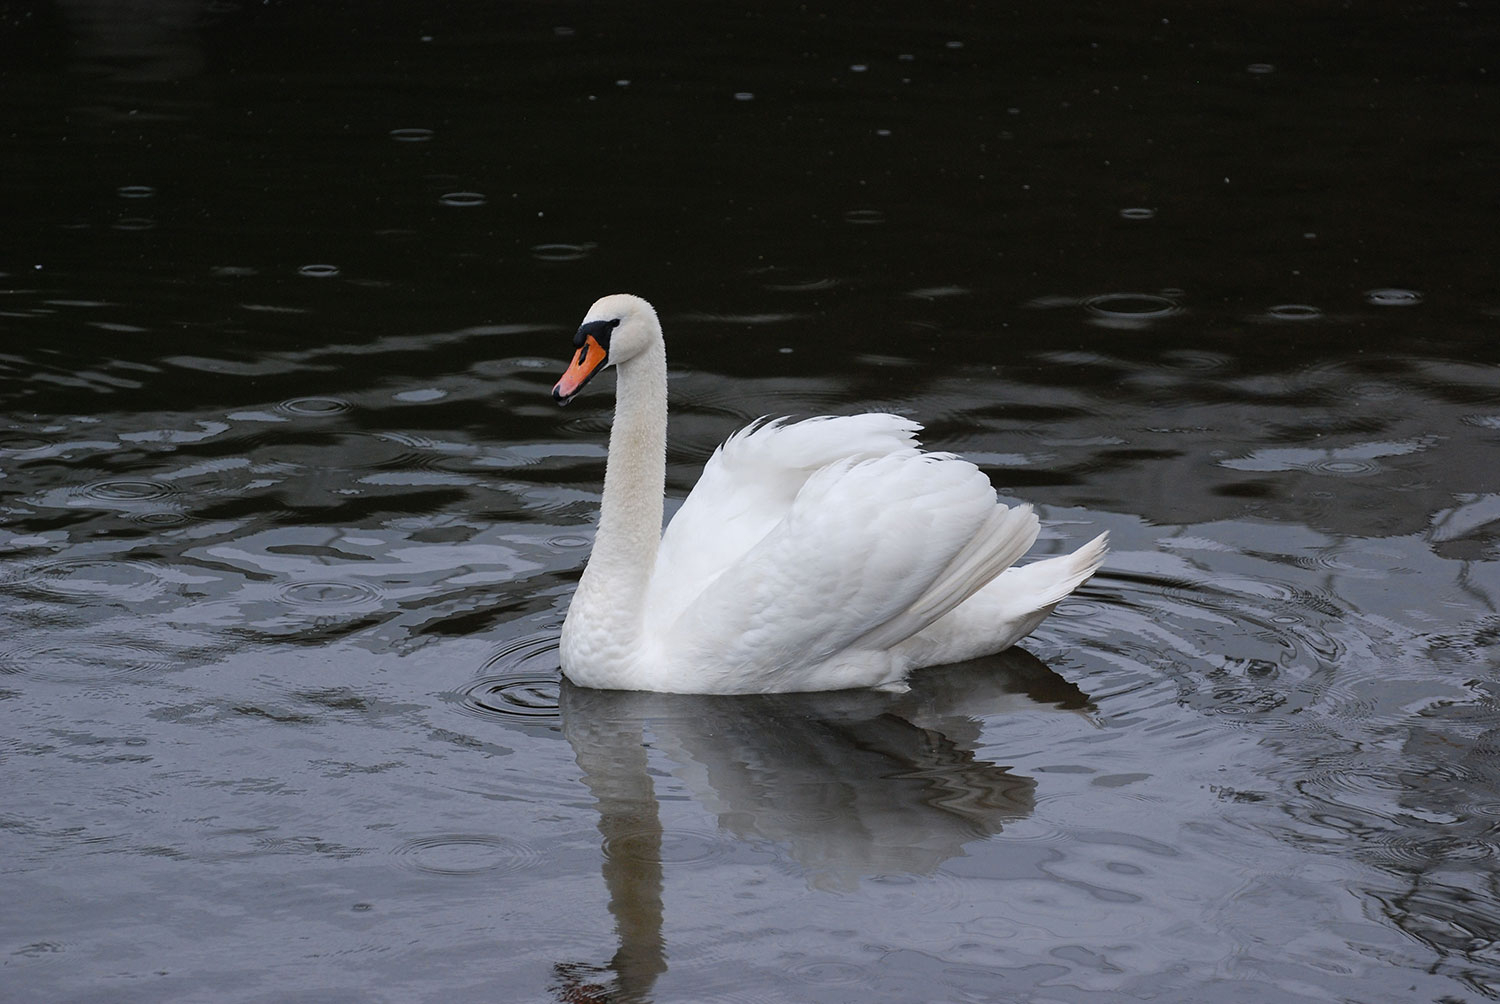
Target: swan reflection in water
[851, 784]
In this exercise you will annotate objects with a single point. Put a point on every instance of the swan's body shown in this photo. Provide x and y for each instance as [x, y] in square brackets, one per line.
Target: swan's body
[826, 554]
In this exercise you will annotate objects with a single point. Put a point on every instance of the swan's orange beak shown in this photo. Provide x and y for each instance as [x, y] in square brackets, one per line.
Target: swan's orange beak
[586, 364]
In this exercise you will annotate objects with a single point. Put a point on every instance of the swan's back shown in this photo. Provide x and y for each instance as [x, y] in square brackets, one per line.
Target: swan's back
[808, 551]
[748, 486]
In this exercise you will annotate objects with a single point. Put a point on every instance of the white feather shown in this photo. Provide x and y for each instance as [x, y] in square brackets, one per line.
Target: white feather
[747, 486]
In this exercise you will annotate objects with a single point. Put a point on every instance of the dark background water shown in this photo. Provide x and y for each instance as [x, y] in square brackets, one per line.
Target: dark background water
[290, 522]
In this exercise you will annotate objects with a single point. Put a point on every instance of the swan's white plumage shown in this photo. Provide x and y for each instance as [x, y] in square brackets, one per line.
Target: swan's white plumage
[817, 555]
[747, 486]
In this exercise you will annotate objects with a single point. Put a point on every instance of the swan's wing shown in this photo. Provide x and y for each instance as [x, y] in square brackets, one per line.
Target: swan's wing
[748, 486]
[866, 555]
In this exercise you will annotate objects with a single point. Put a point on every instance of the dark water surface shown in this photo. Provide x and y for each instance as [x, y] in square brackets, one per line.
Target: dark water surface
[288, 522]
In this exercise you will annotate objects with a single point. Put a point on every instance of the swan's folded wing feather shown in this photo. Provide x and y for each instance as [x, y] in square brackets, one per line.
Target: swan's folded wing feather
[859, 545]
[1005, 536]
[747, 488]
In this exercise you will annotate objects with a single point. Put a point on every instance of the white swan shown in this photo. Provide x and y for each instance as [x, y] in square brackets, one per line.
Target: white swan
[821, 555]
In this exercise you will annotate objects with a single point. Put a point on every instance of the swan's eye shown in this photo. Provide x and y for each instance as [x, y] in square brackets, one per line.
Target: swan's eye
[598, 330]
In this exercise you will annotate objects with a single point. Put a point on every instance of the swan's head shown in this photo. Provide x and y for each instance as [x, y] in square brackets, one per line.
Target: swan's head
[616, 329]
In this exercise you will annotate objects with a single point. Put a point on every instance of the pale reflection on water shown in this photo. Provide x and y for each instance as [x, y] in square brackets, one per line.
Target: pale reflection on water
[849, 785]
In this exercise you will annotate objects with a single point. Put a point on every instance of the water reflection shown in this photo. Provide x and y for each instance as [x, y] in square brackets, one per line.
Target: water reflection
[849, 785]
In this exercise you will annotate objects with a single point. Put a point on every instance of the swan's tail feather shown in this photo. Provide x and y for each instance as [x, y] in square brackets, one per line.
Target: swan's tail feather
[1008, 609]
[1023, 597]
[1007, 533]
[1054, 578]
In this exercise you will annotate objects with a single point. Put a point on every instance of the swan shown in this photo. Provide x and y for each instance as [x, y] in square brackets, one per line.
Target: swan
[825, 554]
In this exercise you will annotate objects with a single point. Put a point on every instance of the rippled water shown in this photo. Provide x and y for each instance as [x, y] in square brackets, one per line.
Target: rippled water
[289, 523]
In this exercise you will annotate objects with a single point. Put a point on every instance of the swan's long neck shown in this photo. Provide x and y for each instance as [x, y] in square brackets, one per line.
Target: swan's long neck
[619, 569]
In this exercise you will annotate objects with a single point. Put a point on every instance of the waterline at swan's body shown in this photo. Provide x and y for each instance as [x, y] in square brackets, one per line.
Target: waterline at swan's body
[818, 555]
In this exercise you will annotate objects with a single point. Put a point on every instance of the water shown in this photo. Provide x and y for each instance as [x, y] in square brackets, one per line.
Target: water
[289, 523]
